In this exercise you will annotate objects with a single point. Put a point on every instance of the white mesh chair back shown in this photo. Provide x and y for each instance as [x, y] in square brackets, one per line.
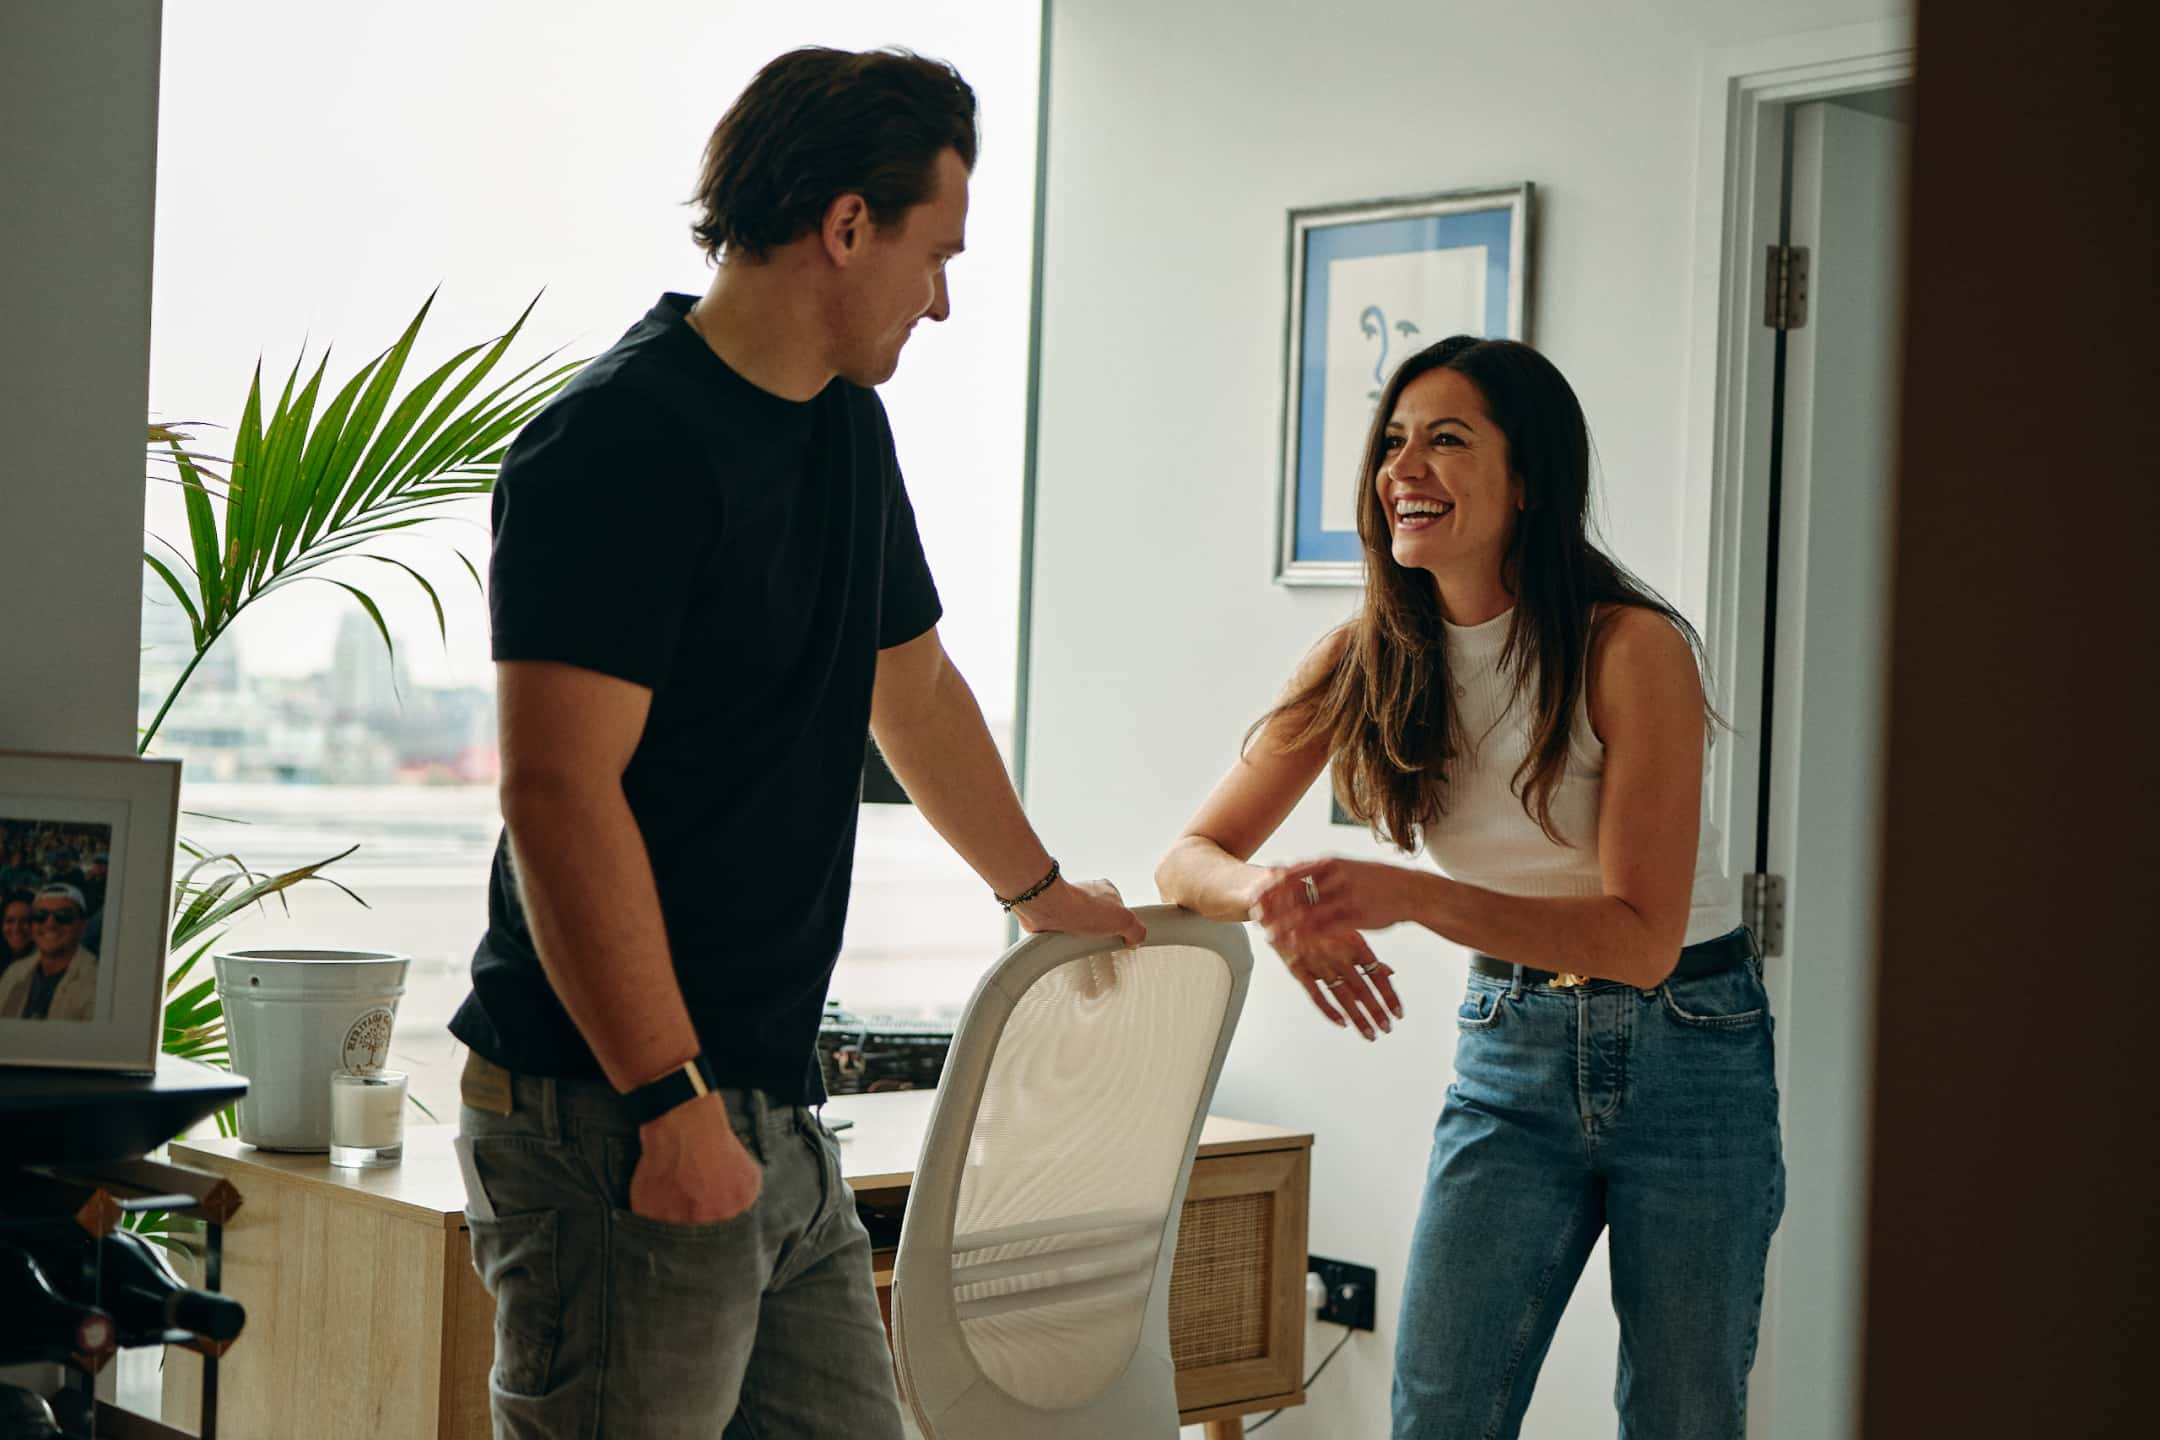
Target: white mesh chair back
[1031, 1292]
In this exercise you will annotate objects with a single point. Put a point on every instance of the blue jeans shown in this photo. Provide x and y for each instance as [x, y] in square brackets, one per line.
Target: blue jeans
[1652, 1113]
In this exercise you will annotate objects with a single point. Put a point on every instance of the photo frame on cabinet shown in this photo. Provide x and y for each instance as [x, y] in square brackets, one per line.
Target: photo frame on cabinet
[86, 873]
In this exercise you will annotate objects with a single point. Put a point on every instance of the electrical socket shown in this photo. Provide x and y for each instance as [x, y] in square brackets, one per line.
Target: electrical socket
[1352, 1291]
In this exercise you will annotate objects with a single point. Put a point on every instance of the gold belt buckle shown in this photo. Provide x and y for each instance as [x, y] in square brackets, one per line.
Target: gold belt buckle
[1566, 980]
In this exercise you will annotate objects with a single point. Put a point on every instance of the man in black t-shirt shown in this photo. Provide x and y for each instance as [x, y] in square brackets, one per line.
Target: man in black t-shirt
[707, 592]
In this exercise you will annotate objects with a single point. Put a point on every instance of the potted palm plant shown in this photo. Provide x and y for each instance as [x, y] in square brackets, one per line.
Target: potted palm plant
[307, 497]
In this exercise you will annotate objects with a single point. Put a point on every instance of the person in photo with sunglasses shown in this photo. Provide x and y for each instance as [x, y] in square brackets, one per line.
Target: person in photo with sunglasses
[59, 980]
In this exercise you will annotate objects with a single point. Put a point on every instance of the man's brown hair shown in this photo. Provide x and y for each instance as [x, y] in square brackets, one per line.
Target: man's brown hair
[817, 124]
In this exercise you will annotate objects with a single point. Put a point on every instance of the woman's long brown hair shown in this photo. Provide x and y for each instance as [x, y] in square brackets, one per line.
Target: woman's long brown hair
[1385, 707]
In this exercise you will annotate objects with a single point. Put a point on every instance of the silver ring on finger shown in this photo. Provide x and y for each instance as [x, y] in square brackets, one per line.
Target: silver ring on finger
[1334, 984]
[1366, 969]
[1312, 891]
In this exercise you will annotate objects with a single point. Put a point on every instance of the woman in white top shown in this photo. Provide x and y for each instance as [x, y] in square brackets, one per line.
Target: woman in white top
[1514, 701]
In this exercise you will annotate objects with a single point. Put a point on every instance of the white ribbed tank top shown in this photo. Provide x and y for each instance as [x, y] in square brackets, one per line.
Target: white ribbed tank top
[1488, 840]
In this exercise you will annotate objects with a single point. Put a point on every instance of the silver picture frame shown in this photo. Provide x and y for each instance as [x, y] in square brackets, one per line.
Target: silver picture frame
[55, 811]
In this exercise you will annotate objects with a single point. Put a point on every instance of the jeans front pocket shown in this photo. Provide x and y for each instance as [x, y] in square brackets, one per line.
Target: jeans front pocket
[1480, 1009]
[1731, 999]
[620, 1166]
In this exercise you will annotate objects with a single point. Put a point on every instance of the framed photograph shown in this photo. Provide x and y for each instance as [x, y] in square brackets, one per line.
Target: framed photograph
[1370, 284]
[86, 872]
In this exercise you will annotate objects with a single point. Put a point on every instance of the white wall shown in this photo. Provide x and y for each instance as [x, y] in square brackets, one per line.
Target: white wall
[1179, 136]
[78, 170]
[78, 153]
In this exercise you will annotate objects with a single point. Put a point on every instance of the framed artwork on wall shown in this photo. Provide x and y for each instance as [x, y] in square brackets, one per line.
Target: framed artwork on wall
[86, 875]
[1369, 284]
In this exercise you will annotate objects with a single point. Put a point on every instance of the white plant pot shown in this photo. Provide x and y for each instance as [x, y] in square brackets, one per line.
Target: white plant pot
[292, 1017]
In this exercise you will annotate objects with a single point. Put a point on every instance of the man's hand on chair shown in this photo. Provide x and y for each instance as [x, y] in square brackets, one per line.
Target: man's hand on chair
[1088, 907]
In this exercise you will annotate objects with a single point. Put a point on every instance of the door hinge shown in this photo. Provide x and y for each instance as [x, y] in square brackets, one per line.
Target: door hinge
[1785, 287]
[1762, 910]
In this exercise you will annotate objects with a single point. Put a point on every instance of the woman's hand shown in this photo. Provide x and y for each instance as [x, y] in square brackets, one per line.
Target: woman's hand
[1326, 897]
[1342, 977]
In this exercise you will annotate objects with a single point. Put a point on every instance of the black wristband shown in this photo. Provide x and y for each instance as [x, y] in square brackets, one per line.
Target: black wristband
[1039, 886]
[678, 1087]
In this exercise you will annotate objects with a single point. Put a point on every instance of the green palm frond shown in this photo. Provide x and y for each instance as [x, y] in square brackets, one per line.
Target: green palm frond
[302, 491]
[180, 1236]
[200, 907]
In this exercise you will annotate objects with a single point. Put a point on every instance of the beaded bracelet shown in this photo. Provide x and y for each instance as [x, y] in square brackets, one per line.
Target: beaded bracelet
[1041, 885]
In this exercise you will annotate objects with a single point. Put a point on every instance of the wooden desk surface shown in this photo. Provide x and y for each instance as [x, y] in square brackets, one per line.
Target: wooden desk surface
[876, 1153]
[879, 1152]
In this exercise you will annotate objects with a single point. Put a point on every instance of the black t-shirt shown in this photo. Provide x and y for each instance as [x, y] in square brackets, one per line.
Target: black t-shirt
[744, 557]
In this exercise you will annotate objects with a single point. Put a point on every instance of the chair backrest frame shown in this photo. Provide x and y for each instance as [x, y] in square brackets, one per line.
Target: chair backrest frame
[951, 1397]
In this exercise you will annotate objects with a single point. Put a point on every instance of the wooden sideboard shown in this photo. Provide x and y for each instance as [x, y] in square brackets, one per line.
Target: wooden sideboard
[365, 1318]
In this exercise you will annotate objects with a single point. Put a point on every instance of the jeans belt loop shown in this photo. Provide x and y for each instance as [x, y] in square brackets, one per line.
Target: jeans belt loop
[550, 1107]
[760, 1108]
[1515, 989]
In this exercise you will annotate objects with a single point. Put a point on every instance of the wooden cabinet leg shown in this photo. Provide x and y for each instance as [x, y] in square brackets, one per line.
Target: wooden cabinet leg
[1231, 1429]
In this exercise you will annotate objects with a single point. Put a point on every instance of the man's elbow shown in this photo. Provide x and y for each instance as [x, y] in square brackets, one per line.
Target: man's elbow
[530, 794]
[904, 705]
[913, 680]
[520, 795]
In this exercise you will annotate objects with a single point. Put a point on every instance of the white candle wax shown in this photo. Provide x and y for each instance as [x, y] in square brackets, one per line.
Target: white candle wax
[367, 1110]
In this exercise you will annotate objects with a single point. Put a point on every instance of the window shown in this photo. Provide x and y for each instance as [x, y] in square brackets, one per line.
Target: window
[320, 172]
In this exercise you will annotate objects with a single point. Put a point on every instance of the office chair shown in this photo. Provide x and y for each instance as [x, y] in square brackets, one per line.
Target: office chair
[1031, 1293]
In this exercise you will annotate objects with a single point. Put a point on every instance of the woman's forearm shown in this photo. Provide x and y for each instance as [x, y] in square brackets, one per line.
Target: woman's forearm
[1600, 936]
[1203, 877]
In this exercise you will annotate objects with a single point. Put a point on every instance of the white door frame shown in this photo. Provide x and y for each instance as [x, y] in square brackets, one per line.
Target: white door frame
[1732, 357]
[1739, 166]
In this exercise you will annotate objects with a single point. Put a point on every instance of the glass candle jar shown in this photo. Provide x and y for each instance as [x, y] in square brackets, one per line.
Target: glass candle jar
[367, 1117]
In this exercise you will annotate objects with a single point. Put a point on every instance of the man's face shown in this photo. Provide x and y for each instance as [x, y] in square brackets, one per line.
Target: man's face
[898, 279]
[15, 929]
[57, 926]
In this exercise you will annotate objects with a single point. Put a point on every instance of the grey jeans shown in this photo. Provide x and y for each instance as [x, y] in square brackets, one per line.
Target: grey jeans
[609, 1325]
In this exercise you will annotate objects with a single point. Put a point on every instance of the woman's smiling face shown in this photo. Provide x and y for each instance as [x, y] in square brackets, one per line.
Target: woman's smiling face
[1444, 482]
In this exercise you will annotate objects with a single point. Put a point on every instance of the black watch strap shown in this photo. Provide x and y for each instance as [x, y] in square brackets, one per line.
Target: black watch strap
[679, 1086]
